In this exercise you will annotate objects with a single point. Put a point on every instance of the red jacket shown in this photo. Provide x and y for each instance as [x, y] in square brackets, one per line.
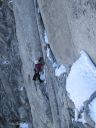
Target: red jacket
[38, 67]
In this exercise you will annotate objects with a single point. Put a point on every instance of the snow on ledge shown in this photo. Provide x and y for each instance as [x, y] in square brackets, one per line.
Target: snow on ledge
[46, 38]
[48, 54]
[24, 125]
[81, 81]
[92, 108]
[60, 70]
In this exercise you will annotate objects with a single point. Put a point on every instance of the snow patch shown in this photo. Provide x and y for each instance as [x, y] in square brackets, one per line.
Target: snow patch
[21, 88]
[42, 75]
[48, 54]
[82, 119]
[81, 82]
[60, 70]
[55, 65]
[5, 62]
[46, 38]
[23, 125]
[92, 108]
[10, 1]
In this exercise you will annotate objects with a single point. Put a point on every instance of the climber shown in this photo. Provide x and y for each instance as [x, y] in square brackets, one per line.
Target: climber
[39, 65]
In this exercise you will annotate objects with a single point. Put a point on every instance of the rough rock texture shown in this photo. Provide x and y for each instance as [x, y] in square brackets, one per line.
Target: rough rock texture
[57, 28]
[82, 18]
[12, 98]
[45, 105]
[30, 48]
[50, 104]
[70, 26]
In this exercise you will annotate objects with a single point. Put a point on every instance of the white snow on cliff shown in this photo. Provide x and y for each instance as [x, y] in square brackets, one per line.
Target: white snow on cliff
[48, 54]
[24, 125]
[81, 82]
[92, 108]
[46, 38]
[60, 70]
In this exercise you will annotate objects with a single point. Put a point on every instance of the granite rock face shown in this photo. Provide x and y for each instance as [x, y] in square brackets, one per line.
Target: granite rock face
[30, 49]
[50, 104]
[70, 26]
[11, 80]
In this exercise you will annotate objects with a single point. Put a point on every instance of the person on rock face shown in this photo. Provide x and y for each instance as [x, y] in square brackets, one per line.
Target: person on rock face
[39, 65]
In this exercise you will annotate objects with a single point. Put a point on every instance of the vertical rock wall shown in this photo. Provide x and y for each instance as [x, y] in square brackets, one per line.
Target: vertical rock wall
[63, 38]
[58, 30]
[11, 81]
[82, 21]
[30, 49]
[70, 26]
[8, 99]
